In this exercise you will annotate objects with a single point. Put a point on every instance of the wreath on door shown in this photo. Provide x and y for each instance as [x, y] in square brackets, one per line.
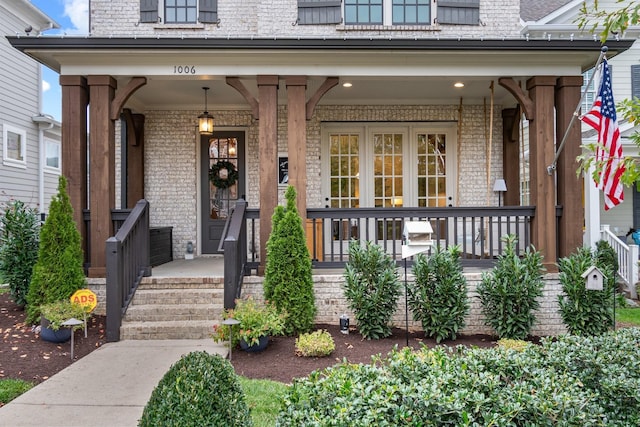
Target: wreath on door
[223, 174]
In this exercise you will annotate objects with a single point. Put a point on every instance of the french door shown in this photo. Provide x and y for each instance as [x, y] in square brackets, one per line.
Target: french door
[390, 165]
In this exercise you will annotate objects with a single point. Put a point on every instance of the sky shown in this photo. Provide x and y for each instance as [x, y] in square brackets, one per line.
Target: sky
[73, 18]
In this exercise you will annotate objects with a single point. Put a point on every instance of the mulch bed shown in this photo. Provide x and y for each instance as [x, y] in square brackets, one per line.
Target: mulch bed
[23, 355]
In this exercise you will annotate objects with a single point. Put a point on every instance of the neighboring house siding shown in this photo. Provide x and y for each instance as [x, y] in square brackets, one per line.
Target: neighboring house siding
[171, 172]
[246, 18]
[20, 88]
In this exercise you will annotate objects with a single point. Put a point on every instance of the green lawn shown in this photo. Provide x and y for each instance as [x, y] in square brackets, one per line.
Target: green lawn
[10, 389]
[263, 399]
[628, 315]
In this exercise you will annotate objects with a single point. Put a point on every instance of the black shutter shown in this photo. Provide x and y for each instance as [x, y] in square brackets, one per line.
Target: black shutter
[208, 11]
[313, 12]
[461, 12]
[148, 10]
[635, 81]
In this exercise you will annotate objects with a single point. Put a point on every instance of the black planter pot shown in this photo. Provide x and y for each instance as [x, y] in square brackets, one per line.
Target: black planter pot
[46, 333]
[262, 344]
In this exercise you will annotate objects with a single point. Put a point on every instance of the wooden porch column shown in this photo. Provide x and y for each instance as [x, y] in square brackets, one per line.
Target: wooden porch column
[570, 186]
[268, 152]
[101, 169]
[297, 139]
[511, 155]
[542, 151]
[75, 98]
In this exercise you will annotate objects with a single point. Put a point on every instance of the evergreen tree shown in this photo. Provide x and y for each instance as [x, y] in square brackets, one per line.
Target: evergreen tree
[288, 276]
[58, 273]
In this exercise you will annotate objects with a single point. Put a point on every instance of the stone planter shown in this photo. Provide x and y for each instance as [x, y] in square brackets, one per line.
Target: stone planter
[262, 344]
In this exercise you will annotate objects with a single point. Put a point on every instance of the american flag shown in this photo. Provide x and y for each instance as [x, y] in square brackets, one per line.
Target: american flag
[604, 120]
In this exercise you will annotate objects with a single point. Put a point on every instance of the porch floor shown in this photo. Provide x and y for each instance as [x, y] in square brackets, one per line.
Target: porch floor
[213, 266]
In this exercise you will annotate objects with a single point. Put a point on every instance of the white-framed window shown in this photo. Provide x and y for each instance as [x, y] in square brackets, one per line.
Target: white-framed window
[52, 151]
[388, 12]
[180, 11]
[14, 146]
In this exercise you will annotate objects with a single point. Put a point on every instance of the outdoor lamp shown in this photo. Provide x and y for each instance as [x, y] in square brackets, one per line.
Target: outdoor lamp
[205, 120]
[499, 187]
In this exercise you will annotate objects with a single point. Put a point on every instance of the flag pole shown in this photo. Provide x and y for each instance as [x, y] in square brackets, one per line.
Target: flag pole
[552, 167]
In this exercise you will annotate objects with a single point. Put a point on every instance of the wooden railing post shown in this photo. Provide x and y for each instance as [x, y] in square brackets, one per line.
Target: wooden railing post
[633, 271]
[114, 290]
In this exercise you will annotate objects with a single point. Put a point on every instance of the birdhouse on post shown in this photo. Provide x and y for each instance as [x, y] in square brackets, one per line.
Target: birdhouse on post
[593, 279]
[416, 238]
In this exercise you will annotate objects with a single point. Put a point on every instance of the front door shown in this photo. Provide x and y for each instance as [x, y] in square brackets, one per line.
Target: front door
[222, 183]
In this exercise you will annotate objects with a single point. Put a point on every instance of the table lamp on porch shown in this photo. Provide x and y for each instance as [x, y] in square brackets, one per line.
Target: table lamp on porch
[499, 186]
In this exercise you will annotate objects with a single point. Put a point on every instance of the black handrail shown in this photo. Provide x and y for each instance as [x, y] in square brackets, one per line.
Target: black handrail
[128, 262]
[234, 244]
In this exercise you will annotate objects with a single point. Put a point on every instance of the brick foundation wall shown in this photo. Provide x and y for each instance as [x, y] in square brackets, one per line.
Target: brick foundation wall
[331, 304]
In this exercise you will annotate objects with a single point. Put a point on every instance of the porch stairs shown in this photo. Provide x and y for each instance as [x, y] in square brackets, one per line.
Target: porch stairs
[174, 308]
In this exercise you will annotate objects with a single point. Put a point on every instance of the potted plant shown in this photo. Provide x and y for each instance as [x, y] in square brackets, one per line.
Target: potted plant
[257, 322]
[53, 315]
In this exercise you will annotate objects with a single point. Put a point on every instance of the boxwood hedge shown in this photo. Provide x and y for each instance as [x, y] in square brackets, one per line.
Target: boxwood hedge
[571, 381]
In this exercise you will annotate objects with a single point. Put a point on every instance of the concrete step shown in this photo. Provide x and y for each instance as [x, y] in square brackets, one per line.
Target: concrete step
[167, 330]
[164, 312]
[177, 296]
[181, 283]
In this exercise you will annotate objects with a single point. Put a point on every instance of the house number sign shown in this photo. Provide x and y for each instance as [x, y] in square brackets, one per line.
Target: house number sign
[184, 69]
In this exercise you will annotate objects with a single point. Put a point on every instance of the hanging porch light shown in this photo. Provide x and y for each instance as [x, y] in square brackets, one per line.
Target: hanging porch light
[205, 120]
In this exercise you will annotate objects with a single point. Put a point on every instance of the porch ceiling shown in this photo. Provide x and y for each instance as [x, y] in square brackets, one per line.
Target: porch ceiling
[382, 72]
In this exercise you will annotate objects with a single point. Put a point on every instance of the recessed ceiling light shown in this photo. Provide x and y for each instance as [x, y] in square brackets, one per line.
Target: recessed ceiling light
[458, 84]
[346, 84]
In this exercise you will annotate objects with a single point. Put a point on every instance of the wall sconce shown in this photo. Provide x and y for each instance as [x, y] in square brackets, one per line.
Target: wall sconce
[499, 186]
[205, 120]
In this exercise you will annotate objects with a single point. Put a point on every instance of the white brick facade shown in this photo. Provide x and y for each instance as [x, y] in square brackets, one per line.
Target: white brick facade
[171, 159]
[260, 19]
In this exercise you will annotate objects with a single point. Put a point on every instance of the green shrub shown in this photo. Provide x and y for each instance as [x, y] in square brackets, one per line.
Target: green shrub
[288, 274]
[509, 292]
[607, 256]
[19, 229]
[59, 272]
[372, 288]
[198, 390]
[438, 297]
[571, 381]
[585, 312]
[315, 344]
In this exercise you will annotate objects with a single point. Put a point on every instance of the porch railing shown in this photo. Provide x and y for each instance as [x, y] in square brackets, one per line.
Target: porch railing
[234, 245]
[627, 259]
[127, 263]
[478, 231]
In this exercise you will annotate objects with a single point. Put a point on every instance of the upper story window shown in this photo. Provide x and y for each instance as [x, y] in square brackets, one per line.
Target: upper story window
[590, 91]
[389, 12]
[635, 81]
[14, 146]
[179, 11]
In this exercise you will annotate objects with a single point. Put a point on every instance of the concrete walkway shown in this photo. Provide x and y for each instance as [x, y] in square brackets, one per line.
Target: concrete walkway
[108, 387]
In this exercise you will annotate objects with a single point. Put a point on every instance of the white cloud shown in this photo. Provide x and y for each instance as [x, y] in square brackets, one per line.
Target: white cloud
[45, 85]
[78, 12]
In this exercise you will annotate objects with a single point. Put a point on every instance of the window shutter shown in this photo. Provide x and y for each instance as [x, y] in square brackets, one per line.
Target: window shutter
[313, 12]
[635, 81]
[148, 10]
[208, 11]
[462, 12]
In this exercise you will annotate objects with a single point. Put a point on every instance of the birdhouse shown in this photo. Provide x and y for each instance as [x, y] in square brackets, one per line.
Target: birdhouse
[417, 238]
[593, 279]
[417, 233]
